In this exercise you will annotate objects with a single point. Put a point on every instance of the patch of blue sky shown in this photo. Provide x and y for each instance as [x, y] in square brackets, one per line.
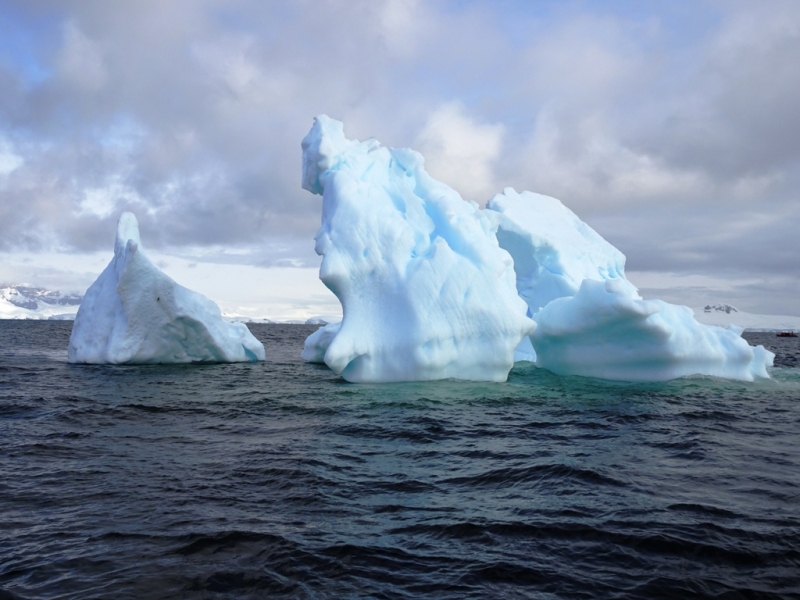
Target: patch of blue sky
[517, 19]
[246, 19]
[28, 41]
[680, 22]
[123, 133]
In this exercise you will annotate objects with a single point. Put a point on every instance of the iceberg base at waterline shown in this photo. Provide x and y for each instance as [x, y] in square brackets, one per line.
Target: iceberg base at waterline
[133, 313]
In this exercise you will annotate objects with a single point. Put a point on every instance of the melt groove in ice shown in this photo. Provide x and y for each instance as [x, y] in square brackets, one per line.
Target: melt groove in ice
[134, 313]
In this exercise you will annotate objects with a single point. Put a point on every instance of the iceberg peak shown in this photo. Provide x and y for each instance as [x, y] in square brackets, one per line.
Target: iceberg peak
[553, 250]
[127, 231]
[323, 144]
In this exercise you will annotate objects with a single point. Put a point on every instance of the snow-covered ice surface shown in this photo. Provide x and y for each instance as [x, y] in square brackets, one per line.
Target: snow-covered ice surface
[134, 313]
[592, 321]
[426, 291]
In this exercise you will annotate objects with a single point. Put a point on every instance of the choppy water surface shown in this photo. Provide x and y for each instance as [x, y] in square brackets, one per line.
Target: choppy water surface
[281, 480]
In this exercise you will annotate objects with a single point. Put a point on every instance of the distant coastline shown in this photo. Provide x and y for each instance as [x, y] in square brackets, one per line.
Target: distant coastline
[48, 307]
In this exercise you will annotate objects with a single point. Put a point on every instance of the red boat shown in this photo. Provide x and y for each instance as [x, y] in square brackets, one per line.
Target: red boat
[787, 334]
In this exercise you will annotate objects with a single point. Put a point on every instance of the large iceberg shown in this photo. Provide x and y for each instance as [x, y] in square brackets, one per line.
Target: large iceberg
[591, 319]
[134, 313]
[426, 291]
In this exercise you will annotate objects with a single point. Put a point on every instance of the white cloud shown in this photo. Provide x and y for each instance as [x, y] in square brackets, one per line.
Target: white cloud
[232, 64]
[104, 201]
[401, 22]
[461, 151]
[745, 292]
[582, 163]
[9, 160]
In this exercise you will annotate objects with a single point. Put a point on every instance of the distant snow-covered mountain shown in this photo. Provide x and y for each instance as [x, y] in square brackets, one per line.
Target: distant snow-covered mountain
[725, 314]
[27, 302]
[720, 308]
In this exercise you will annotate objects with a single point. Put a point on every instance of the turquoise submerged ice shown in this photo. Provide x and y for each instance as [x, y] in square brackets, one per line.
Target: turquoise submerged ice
[426, 291]
[134, 313]
[591, 319]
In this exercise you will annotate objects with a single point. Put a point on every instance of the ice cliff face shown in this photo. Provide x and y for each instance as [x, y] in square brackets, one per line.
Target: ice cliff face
[591, 319]
[134, 313]
[426, 291]
[553, 250]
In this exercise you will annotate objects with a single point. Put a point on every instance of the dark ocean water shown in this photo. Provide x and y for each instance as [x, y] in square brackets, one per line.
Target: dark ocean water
[280, 480]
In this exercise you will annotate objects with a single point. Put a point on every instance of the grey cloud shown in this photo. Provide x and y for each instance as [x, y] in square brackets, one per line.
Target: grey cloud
[736, 244]
[674, 132]
[738, 115]
[191, 119]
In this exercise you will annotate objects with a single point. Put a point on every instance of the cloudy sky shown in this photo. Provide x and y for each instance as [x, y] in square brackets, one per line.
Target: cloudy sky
[672, 127]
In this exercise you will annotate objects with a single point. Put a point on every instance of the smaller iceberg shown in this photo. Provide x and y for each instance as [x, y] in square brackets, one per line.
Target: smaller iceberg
[591, 319]
[134, 313]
